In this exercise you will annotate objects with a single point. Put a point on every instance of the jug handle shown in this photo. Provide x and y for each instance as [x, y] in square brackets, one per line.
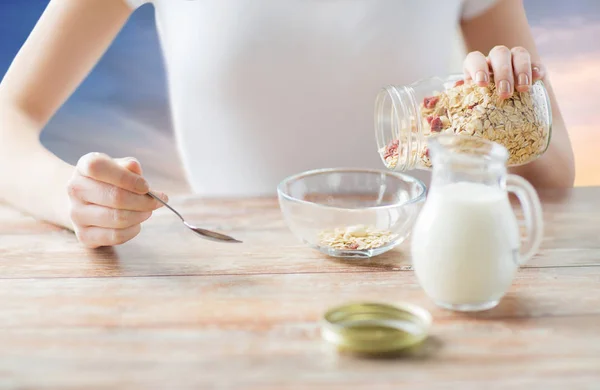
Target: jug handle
[532, 212]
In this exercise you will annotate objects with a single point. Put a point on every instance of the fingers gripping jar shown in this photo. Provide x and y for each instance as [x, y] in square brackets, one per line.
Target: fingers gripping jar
[407, 116]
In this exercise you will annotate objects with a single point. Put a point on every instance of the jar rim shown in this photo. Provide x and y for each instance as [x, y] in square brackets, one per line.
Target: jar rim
[396, 113]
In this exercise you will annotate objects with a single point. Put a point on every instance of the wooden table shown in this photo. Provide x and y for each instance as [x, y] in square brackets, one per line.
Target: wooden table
[169, 310]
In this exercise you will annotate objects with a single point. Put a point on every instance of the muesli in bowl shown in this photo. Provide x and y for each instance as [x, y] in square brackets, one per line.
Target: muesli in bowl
[351, 213]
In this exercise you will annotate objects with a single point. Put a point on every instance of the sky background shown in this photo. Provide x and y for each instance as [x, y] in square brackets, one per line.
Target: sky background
[125, 94]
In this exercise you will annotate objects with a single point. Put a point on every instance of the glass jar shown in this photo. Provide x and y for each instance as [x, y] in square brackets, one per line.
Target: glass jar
[407, 116]
[466, 243]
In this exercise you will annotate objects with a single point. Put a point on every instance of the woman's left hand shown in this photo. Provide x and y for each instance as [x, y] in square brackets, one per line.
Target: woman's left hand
[512, 69]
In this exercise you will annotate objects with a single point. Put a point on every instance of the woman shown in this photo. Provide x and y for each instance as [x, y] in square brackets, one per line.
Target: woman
[259, 90]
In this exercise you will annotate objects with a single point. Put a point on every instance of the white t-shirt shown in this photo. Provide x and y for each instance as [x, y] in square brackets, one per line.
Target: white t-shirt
[262, 89]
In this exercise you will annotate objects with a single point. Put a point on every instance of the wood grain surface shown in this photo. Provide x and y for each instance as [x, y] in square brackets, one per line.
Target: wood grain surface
[169, 310]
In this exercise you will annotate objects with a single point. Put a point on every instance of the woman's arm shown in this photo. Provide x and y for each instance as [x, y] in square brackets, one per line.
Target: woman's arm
[505, 26]
[63, 47]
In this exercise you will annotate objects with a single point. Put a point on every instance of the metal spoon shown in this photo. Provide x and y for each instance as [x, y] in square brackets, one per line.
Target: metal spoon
[210, 235]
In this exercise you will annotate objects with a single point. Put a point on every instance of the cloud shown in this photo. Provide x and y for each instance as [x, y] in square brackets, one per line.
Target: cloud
[575, 82]
[570, 37]
[573, 60]
[557, 11]
[585, 140]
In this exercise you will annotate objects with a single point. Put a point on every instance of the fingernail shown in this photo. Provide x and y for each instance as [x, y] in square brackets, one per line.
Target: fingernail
[141, 185]
[133, 159]
[536, 69]
[481, 77]
[523, 79]
[163, 196]
[504, 86]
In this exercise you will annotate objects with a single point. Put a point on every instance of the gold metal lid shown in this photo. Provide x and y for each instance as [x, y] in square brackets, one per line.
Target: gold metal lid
[375, 328]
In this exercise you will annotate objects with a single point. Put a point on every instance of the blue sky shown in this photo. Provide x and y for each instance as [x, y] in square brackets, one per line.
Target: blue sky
[131, 74]
[137, 43]
[123, 98]
[126, 91]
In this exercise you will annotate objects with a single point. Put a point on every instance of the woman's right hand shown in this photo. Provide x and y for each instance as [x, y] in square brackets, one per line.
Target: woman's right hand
[108, 200]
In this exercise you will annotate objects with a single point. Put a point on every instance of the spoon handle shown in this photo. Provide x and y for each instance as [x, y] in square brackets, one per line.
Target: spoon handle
[166, 205]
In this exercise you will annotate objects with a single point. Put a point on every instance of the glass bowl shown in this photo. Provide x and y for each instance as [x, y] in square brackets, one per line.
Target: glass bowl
[351, 213]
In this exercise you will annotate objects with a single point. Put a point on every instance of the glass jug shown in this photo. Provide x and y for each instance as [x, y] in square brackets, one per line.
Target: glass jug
[466, 242]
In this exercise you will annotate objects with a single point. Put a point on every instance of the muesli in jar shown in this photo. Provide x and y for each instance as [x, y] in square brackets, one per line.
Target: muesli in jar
[407, 116]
